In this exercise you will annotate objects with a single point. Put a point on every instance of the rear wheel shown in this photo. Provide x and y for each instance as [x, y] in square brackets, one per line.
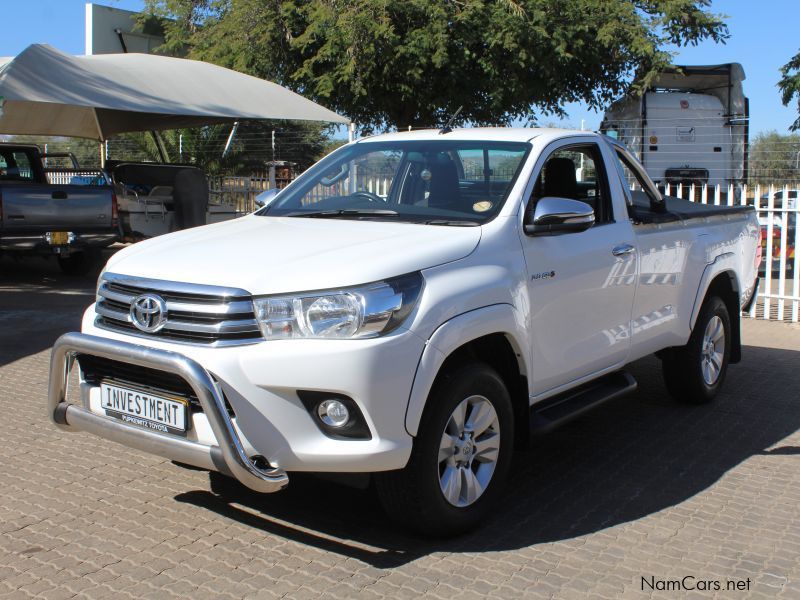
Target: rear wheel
[460, 459]
[694, 373]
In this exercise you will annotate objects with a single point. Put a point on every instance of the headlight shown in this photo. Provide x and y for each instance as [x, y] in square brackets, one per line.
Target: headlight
[359, 312]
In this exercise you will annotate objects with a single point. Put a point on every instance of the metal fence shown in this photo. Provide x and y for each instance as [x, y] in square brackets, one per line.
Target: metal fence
[76, 177]
[241, 191]
[778, 210]
[237, 191]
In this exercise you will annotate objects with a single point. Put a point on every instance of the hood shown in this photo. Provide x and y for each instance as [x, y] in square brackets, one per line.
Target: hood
[273, 255]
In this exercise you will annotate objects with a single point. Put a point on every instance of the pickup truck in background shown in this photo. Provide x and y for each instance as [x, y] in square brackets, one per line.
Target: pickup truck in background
[72, 220]
[498, 286]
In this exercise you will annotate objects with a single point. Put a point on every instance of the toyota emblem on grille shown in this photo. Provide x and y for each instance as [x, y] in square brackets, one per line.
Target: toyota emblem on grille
[149, 312]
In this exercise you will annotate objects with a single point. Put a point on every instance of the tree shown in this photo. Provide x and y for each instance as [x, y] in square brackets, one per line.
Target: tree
[790, 86]
[414, 62]
[251, 146]
[199, 146]
[774, 159]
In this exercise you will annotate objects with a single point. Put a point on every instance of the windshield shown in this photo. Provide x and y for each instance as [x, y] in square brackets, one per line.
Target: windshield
[442, 182]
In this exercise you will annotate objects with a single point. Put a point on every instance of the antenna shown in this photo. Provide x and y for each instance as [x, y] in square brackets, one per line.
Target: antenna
[449, 127]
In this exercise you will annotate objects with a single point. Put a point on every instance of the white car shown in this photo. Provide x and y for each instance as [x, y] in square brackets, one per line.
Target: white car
[408, 309]
[778, 197]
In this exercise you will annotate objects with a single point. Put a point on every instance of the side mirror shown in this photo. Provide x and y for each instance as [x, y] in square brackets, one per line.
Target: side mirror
[558, 215]
[266, 197]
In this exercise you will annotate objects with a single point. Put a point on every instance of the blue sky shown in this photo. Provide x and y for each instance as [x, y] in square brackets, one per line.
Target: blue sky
[763, 38]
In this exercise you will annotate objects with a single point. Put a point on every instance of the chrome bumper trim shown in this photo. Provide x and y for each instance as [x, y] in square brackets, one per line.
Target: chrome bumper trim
[228, 457]
[231, 326]
[37, 242]
[163, 285]
[221, 309]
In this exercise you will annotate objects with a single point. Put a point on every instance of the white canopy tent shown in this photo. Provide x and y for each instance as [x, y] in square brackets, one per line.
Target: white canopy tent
[46, 92]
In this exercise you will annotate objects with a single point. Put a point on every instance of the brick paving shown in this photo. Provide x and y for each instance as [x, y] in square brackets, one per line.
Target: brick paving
[640, 488]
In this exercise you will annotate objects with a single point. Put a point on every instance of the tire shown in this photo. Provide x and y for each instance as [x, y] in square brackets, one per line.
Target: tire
[416, 496]
[694, 373]
[79, 263]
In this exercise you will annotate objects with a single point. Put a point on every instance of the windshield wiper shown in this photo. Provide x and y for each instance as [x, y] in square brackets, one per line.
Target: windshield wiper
[344, 212]
[452, 223]
[374, 212]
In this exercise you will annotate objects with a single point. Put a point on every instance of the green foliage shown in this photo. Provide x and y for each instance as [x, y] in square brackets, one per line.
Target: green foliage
[773, 158]
[250, 150]
[790, 86]
[298, 142]
[329, 146]
[200, 146]
[295, 141]
[414, 62]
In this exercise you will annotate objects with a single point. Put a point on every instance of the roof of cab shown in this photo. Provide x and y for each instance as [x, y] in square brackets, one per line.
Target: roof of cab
[495, 134]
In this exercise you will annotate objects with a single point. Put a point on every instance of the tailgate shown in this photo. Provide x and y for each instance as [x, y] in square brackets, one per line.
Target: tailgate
[39, 207]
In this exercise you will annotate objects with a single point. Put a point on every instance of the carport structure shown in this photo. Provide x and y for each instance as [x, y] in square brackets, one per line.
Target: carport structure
[44, 91]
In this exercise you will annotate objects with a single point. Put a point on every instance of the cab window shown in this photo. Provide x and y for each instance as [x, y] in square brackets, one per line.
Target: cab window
[443, 181]
[15, 166]
[577, 173]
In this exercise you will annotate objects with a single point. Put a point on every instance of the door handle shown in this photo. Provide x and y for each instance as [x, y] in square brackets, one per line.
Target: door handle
[623, 249]
[59, 195]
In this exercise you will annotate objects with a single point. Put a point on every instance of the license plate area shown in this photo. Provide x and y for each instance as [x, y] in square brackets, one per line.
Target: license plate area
[57, 238]
[140, 407]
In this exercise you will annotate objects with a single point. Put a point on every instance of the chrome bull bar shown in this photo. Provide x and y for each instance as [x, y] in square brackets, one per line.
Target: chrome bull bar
[228, 457]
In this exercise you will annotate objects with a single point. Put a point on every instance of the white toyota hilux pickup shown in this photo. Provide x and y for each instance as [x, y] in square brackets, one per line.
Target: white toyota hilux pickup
[411, 308]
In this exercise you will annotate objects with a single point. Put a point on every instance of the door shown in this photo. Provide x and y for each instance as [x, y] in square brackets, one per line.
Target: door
[661, 310]
[581, 284]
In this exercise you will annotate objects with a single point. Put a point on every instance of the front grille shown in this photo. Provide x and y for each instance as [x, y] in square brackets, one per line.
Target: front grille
[96, 369]
[198, 314]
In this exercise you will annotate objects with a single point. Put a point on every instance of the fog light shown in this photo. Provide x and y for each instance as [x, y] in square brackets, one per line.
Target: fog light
[336, 415]
[333, 413]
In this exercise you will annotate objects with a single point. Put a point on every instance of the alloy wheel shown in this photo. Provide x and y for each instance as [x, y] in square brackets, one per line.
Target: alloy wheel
[713, 350]
[468, 451]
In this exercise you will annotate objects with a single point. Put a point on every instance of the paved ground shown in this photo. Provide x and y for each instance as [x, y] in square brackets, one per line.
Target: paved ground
[642, 488]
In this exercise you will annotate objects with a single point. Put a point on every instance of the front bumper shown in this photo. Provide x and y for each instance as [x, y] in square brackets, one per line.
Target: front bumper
[260, 383]
[227, 456]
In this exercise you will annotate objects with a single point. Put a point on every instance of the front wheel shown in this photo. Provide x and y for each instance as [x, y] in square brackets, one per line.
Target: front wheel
[461, 455]
[694, 373]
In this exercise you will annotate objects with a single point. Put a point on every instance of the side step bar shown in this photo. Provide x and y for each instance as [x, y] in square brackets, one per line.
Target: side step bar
[550, 413]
